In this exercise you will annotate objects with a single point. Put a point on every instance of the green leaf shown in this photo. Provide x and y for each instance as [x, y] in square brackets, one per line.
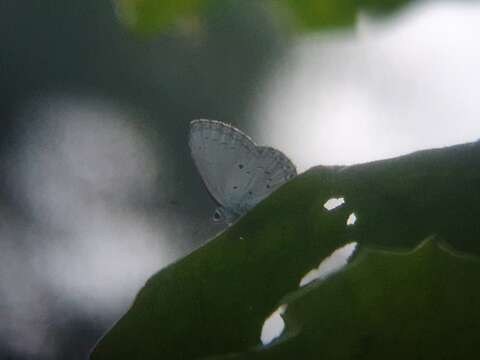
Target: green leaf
[314, 14]
[215, 300]
[317, 15]
[149, 16]
[385, 305]
[382, 6]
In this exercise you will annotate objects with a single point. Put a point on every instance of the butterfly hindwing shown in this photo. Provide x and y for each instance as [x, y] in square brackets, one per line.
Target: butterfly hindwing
[272, 169]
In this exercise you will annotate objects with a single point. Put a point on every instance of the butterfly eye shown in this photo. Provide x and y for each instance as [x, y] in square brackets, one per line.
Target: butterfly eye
[218, 215]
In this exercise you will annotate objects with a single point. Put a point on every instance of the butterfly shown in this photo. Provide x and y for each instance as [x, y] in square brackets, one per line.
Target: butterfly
[237, 172]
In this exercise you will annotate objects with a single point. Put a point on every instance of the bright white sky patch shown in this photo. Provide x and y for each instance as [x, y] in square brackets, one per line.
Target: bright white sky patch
[84, 154]
[90, 250]
[273, 326]
[333, 203]
[385, 89]
[331, 264]
[352, 219]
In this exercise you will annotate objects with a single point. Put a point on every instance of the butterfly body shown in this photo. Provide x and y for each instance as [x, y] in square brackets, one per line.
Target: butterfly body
[237, 173]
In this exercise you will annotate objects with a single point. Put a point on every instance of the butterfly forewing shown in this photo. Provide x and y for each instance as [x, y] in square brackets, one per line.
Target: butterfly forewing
[220, 153]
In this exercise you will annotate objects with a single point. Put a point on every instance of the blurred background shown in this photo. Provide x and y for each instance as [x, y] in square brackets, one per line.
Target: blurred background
[98, 191]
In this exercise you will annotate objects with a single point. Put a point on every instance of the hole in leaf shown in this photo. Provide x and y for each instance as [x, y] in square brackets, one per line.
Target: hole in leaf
[352, 219]
[330, 265]
[273, 325]
[333, 203]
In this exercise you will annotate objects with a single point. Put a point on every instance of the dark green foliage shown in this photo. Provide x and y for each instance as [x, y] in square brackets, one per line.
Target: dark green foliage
[215, 300]
[385, 305]
[316, 15]
[157, 15]
[312, 14]
[154, 15]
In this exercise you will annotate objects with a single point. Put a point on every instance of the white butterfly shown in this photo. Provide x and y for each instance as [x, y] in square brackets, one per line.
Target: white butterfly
[237, 173]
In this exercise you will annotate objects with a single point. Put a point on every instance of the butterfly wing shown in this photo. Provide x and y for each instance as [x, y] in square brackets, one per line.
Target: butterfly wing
[221, 154]
[272, 169]
[236, 172]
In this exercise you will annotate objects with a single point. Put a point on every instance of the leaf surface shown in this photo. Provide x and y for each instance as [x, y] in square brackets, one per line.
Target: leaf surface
[214, 301]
